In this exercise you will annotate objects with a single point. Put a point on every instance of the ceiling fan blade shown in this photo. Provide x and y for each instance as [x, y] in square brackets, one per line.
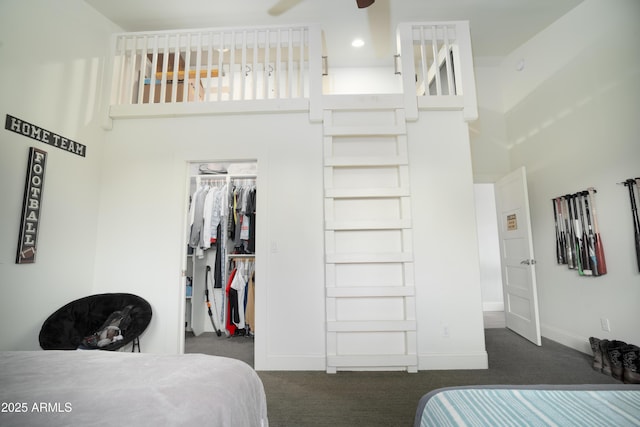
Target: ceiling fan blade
[282, 6]
[364, 3]
[380, 28]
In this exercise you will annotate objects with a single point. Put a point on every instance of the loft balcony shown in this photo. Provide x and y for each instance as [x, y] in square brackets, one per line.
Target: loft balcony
[279, 68]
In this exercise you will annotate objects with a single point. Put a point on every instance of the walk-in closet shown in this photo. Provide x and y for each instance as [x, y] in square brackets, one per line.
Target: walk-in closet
[220, 276]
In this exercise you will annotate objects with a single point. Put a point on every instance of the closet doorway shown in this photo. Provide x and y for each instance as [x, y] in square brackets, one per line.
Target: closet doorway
[219, 260]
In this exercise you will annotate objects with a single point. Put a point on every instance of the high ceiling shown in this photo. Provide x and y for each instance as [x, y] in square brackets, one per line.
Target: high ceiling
[497, 26]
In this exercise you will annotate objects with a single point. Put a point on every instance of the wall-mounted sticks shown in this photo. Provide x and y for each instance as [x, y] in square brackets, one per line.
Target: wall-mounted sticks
[578, 242]
[633, 185]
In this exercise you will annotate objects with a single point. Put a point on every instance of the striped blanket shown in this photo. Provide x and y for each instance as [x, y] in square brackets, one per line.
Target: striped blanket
[560, 406]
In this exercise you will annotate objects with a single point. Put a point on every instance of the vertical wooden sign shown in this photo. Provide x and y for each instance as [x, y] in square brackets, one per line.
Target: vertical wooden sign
[31, 204]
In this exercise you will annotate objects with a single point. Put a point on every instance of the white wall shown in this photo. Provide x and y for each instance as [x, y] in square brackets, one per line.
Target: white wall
[141, 224]
[489, 254]
[51, 59]
[349, 81]
[141, 230]
[448, 296]
[114, 221]
[572, 120]
[488, 134]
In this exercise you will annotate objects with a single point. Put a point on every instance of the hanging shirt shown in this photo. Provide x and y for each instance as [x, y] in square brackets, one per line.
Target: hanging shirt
[250, 309]
[207, 217]
[251, 212]
[244, 228]
[218, 210]
[198, 217]
[231, 304]
[239, 285]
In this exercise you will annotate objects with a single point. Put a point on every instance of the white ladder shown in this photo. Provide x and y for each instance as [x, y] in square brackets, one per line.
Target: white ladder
[369, 278]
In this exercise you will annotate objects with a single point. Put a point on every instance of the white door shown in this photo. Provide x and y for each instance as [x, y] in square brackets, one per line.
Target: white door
[516, 253]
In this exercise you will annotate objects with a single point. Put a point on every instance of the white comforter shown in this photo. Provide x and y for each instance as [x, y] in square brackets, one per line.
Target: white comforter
[99, 388]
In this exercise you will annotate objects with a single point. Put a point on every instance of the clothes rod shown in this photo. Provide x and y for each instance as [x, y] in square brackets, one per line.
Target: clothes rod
[224, 177]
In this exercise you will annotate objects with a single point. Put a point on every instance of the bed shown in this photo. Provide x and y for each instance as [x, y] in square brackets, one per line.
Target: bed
[540, 405]
[100, 388]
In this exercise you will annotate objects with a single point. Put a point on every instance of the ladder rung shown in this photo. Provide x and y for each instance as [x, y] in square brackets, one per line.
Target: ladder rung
[370, 291]
[381, 224]
[346, 193]
[368, 258]
[366, 161]
[371, 326]
[364, 130]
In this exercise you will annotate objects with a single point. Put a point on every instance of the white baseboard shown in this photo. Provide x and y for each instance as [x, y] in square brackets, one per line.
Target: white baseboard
[493, 306]
[292, 363]
[565, 338]
[442, 361]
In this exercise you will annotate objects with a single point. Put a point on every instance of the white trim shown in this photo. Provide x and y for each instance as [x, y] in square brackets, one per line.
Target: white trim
[493, 306]
[205, 108]
[294, 363]
[567, 339]
[442, 361]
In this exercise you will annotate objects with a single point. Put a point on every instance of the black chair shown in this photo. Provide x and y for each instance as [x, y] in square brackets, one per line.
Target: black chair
[69, 325]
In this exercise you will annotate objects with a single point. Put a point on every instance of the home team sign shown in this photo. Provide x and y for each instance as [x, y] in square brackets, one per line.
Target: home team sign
[39, 134]
[30, 219]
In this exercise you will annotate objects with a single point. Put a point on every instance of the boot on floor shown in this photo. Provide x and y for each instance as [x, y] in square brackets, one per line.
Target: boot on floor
[597, 353]
[606, 363]
[631, 364]
[614, 353]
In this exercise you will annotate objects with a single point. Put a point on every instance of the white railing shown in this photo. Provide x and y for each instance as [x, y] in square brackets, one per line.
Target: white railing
[436, 61]
[215, 65]
[276, 69]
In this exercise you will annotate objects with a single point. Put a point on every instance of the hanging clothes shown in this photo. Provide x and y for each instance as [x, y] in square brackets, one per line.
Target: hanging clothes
[217, 277]
[207, 217]
[237, 217]
[251, 213]
[197, 219]
[239, 284]
[241, 224]
[240, 298]
[222, 214]
[232, 299]
[249, 314]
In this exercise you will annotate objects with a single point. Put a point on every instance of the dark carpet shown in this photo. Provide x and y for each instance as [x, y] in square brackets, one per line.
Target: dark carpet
[389, 399]
[235, 347]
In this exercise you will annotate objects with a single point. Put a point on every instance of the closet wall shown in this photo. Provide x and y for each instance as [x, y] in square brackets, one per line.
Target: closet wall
[220, 248]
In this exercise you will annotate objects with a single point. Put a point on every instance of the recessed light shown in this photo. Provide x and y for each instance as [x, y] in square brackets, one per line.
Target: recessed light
[357, 43]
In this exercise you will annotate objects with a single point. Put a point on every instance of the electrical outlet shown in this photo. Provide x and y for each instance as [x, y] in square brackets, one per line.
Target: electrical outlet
[604, 323]
[445, 330]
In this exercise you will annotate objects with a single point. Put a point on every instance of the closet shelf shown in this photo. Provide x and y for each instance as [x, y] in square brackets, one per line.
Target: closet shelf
[353, 193]
[223, 176]
[366, 161]
[374, 224]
